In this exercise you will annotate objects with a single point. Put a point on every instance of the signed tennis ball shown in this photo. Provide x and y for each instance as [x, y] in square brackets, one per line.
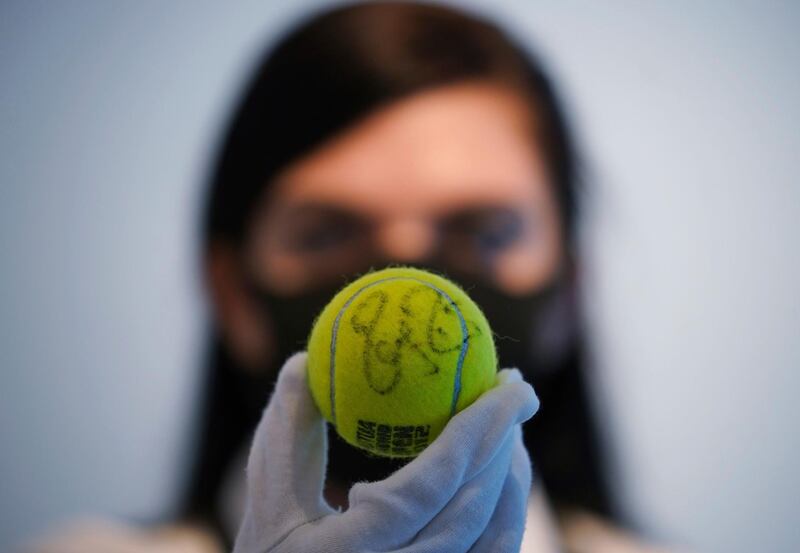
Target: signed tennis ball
[395, 355]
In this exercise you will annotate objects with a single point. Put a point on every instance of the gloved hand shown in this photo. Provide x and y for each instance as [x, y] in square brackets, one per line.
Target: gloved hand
[467, 491]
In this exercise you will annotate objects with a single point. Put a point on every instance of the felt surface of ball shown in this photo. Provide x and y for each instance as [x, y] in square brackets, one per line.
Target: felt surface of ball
[395, 355]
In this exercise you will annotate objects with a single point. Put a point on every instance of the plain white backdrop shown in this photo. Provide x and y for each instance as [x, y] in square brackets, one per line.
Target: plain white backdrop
[690, 121]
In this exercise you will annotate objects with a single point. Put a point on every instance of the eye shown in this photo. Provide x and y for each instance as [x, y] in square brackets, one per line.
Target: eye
[322, 231]
[323, 237]
[488, 230]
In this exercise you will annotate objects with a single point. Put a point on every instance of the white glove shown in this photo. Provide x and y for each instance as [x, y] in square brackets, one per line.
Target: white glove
[467, 491]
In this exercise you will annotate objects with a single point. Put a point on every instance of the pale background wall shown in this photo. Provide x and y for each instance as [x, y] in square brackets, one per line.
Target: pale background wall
[689, 115]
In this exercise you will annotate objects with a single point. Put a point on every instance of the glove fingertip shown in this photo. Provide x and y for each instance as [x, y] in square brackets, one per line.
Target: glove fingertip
[510, 381]
[294, 369]
[531, 401]
[508, 375]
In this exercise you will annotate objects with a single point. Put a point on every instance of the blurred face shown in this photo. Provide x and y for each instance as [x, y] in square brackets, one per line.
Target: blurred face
[452, 174]
[451, 178]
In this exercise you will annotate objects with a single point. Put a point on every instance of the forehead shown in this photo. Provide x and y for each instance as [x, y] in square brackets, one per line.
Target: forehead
[462, 144]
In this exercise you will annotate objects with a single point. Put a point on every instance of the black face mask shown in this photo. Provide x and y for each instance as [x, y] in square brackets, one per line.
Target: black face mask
[531, 333]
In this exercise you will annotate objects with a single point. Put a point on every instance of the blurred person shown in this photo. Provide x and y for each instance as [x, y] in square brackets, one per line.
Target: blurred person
[395, 133]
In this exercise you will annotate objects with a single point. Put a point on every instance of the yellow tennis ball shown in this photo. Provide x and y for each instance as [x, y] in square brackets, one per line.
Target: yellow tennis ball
[395, 355]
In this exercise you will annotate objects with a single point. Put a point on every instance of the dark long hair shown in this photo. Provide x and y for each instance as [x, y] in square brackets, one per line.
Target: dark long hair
[328, 72]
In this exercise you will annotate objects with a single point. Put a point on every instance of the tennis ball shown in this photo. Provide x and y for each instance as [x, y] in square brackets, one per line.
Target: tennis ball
[395, 355]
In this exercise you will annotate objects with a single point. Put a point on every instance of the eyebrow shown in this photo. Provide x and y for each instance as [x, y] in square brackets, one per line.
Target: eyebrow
[317, 208]
[481, 210]
[320, 209]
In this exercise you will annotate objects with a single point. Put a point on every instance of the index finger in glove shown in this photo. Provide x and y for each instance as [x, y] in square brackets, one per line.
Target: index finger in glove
[286, 467]
[417, 492]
